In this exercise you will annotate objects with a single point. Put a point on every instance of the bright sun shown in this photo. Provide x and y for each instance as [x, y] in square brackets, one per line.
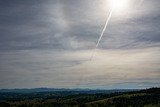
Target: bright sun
[119, 5]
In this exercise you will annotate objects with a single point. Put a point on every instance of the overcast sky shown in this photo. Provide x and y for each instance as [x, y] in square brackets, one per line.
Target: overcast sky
[48, 43]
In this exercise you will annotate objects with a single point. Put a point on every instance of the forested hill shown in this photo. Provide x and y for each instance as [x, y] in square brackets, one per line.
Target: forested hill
[143, 98]
[78, 98]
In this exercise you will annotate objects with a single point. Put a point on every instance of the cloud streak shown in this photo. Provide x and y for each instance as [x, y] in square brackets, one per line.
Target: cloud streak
[60, 69]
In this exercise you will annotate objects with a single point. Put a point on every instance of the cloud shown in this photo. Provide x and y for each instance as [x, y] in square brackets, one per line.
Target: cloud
[48, 43]
[60, 69]
[35, 25]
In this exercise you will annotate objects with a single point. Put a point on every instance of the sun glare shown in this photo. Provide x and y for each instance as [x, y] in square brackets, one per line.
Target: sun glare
[120, 5]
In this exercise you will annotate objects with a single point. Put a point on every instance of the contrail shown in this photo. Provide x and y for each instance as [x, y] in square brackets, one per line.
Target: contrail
[105, 26]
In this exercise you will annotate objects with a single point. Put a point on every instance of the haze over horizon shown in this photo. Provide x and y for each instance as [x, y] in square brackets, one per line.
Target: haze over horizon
[48, 43]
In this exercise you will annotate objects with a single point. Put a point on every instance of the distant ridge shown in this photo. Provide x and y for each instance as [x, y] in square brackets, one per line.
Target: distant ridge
[32, 90]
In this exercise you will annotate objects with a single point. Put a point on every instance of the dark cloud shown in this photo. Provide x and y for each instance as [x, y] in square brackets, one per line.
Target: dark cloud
[36, 24]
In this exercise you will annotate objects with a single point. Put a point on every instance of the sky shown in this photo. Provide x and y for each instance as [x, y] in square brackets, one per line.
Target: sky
[48, 43]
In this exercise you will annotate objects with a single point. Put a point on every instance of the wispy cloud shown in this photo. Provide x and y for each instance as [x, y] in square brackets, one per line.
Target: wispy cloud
[48, 43]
